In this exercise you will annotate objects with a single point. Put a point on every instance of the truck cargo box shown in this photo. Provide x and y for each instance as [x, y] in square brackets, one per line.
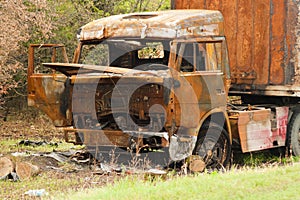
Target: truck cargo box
[263, 42]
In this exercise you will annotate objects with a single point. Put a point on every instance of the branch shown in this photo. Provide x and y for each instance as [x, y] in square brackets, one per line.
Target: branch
[160, 5]
[146, 5]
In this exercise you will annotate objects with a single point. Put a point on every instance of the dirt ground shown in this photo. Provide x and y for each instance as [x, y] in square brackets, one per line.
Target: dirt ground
[31, 124]
[54, 176]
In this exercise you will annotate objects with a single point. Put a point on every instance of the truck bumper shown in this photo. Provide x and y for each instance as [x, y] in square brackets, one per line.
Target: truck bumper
[118, 138]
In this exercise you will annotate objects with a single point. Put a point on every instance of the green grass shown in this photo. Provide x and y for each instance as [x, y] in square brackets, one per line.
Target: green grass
[12, 145]
[53, 183]
[266, 183]
[263, 159]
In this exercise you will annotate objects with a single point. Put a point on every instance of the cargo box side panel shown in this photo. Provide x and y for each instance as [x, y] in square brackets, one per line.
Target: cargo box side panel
[293, 43]
[247, 30]
[261, 57]
[188, 4]
[229, 10]
[244, 39]
[260, 129]
[278, 47]
[263, 43]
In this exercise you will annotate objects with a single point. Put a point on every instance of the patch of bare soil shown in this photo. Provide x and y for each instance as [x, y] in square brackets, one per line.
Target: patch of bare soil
[25, 126]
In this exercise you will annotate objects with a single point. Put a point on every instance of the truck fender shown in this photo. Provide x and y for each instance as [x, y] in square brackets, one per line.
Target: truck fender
[218, 116]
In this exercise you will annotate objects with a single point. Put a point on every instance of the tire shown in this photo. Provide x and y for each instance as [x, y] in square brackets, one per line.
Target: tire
[293, 134]
[213, 145]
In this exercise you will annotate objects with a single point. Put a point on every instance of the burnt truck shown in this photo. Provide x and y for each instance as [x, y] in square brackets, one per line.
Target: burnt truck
[192, 83]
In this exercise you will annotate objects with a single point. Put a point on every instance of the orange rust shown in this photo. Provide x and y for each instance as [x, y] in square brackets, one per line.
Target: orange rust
[186, 93]
[46, 91]
[262, 38]
[163, 24]
[278, 35]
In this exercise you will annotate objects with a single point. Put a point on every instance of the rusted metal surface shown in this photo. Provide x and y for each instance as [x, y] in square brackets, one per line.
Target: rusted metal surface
[262, 38]
[119, 138]
[261, 128]
[48, 92]
[163, 24]
[185, 85]
[31, 51]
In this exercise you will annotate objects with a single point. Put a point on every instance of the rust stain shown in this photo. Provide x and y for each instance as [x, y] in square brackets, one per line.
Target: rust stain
[262, 42]
[278, 40]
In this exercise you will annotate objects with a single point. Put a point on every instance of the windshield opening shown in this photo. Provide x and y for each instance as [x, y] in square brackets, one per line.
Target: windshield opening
[126, 53]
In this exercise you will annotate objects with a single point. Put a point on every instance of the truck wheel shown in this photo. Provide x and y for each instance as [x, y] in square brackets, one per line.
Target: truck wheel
[293, 134]
[213, 146]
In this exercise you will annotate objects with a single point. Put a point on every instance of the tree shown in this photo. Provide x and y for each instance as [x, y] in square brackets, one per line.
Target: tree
[49, 21]
[112, 7]
[20, 21]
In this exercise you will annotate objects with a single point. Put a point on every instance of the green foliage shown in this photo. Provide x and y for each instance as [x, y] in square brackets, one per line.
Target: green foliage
[112, 7]
[263, 158]
[95, 54]
[256, 159]
[151, 51]
[71, 15]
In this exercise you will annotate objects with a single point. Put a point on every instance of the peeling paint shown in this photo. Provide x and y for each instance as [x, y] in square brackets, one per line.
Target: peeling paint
[159, 24]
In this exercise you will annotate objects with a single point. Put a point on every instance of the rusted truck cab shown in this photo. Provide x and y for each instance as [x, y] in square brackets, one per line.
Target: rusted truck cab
[143, 82]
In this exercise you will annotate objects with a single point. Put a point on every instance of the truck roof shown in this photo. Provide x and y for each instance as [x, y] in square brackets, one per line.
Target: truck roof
[162, 24]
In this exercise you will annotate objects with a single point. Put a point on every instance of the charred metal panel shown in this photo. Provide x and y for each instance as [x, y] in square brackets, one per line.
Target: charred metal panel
[104, 119]
[210, 92]
[51, 94]
[262, 42]
[260, 129]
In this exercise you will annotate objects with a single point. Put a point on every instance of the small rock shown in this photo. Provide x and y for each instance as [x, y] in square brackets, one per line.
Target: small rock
[6, 167]
[26, 170]
[36, 193]
[154, 174]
